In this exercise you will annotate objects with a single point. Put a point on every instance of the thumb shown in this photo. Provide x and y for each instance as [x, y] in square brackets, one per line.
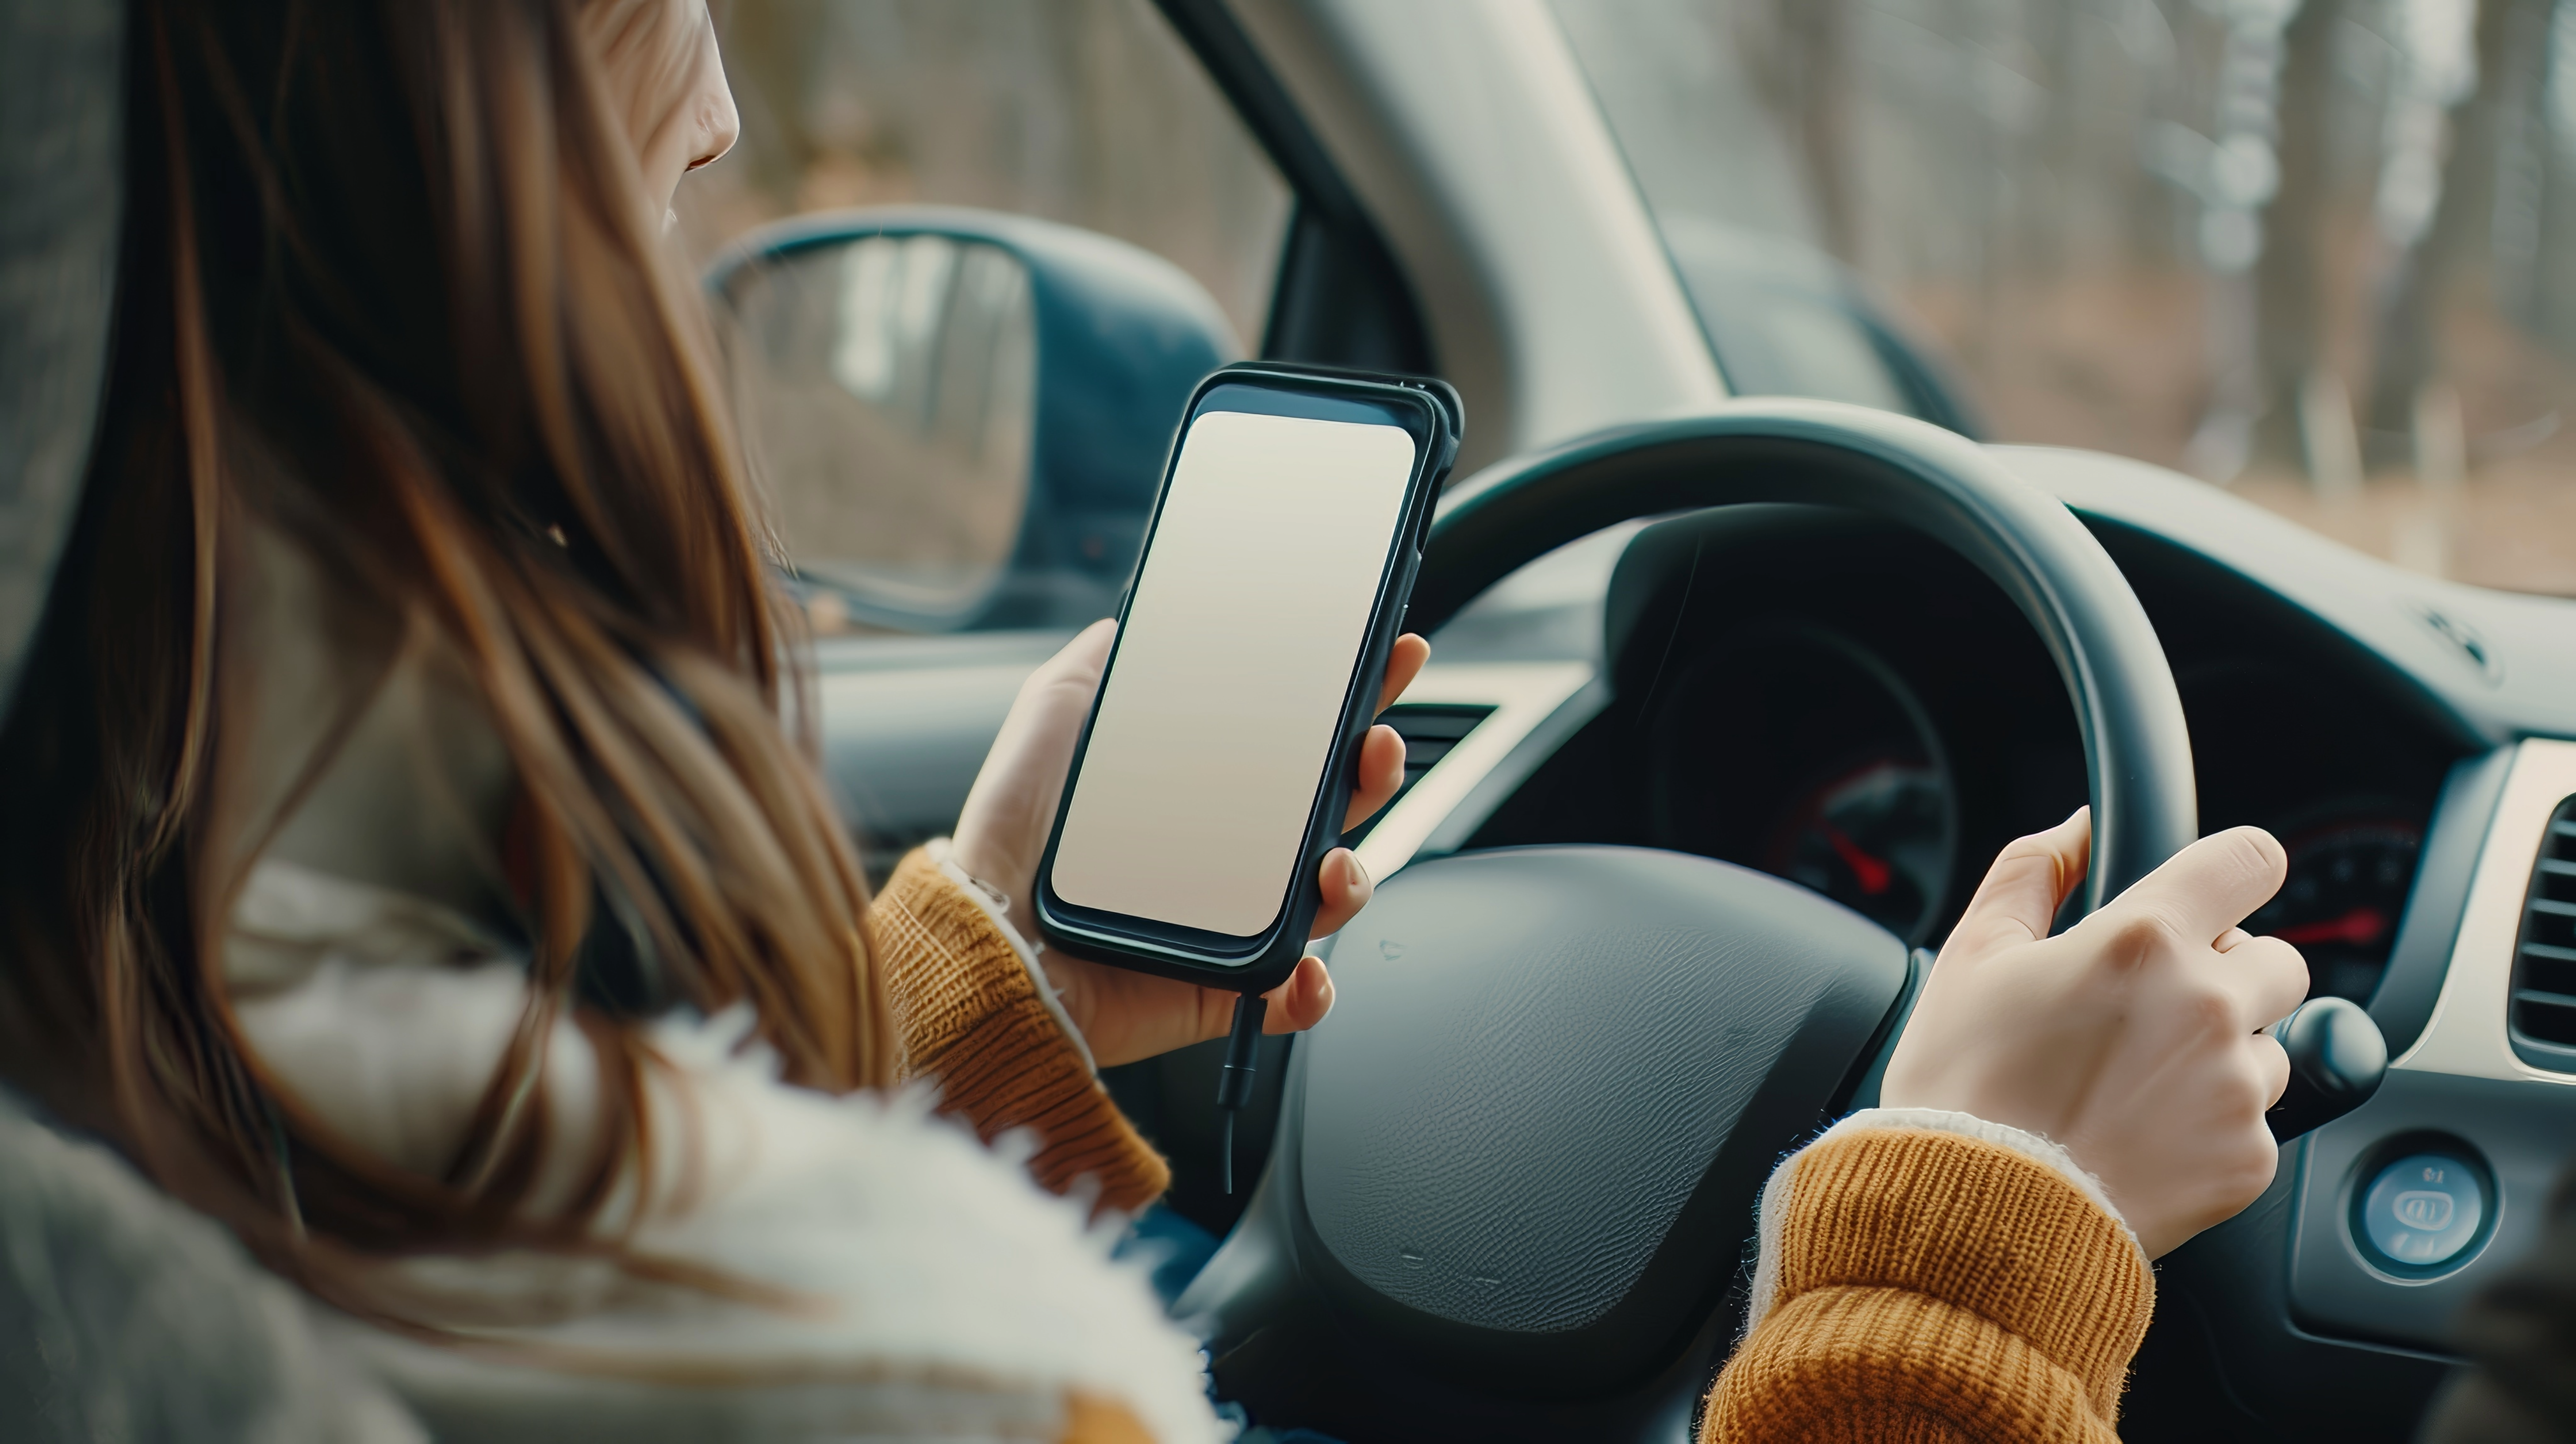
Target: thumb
[2028, 883]
[1079, 661]
[2212, 885]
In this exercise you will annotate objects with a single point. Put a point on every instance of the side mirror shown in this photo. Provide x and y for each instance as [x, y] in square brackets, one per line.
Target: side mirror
[961, 415]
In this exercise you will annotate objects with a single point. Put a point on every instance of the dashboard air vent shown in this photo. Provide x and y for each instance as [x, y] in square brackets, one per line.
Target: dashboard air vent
[2544, 964]
[1429, 730]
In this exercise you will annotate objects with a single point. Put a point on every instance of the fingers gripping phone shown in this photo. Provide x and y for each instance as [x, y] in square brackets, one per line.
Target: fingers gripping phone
[1212, 775]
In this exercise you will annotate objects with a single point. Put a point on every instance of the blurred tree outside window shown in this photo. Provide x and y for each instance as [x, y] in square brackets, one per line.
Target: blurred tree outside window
[1087, 112]
[2319, 251]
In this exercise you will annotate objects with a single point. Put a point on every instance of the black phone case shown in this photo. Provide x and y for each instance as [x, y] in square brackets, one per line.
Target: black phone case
[1167, 950]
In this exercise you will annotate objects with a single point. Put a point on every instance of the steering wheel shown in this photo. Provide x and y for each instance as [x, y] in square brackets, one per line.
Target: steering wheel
[1516, 1171]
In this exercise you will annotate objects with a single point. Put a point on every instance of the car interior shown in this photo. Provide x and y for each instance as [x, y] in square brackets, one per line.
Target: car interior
[1738, 685]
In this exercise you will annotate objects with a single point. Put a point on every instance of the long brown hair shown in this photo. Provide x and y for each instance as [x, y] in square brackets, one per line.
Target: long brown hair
[390, 289]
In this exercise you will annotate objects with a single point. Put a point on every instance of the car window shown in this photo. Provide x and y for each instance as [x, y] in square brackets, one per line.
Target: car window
[2323, 253]
[1087, 112]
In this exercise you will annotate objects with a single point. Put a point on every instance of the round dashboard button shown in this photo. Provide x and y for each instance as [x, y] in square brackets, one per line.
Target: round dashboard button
[2423, 1209]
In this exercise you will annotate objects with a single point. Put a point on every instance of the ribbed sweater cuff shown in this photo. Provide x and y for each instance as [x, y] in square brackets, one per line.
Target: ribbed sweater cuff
[977, 1019]
[1936, 1120]
[1979, 1241]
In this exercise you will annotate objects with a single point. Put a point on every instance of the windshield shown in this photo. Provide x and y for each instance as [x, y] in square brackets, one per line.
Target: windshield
[2321, 253]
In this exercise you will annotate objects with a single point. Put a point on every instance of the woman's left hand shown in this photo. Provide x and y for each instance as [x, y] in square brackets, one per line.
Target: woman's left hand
[1002, 833]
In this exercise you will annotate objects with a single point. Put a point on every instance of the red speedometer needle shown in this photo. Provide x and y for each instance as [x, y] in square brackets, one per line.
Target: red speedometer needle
[2361, 925]
[1872, 872]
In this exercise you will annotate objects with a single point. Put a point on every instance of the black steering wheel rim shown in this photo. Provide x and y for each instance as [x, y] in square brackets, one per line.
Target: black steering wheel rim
[2137, 748]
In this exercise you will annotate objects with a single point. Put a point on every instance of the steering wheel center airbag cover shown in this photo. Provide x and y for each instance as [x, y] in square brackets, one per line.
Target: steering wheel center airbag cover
[1542, 1058]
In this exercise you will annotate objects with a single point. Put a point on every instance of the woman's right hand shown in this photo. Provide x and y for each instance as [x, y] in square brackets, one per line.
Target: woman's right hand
[2131, 1038]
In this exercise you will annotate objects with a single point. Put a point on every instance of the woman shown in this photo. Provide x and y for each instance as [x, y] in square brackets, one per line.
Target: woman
[405, 863]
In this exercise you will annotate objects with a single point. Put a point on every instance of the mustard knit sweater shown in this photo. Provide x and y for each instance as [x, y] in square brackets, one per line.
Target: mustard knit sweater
[971, 1018]
[1928, 1286]
[1932, 1286]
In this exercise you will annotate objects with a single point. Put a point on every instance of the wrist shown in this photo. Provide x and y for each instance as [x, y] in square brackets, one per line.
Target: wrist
[996, 870]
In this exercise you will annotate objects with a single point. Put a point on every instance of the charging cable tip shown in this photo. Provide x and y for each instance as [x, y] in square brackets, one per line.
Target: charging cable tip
[1234, 1080]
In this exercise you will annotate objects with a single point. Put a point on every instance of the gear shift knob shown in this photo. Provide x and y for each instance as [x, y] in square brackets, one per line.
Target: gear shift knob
[2337, 1058]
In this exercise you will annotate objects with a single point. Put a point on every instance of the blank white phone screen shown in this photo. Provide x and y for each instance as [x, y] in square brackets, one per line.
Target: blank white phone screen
[1217, 720]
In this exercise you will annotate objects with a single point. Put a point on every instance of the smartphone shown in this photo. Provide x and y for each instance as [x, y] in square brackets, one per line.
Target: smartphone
[1216, 765]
